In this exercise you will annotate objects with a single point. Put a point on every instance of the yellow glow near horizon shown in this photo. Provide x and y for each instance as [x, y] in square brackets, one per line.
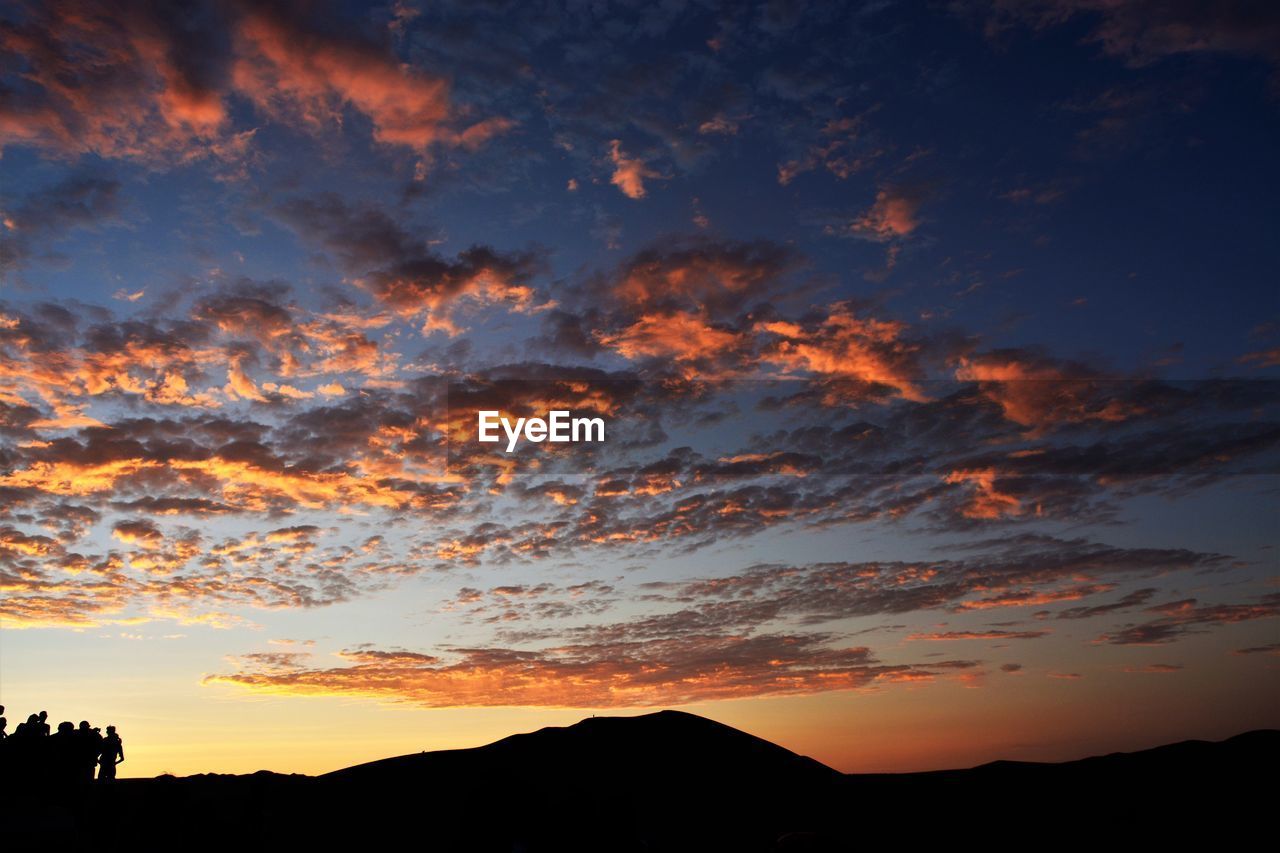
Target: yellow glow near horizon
[201, 729]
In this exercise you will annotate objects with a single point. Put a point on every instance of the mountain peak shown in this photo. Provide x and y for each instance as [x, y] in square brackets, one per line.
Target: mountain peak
[648, 745]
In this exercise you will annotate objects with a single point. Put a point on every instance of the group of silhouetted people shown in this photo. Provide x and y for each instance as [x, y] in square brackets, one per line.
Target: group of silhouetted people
[66, 755]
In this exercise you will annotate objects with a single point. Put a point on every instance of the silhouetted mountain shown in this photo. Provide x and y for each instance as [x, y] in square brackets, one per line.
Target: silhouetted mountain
[603, 747]
[675, 781]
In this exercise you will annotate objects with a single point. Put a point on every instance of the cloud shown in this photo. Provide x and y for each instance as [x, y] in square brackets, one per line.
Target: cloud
[674, 670]
[841, 148]
[893, 216]
[721, 278]
[987, 501]
[851, 355]
[520, 602]
[256, 378]
[992, 634]
[234, 335]
[141, 533]
[1144, 31]
[1137, 598]
[130, 82]
[677, 336]
[1262, 358]
[157, 83]
[629, 173]
[176, 575]
[1011, 574]
[683, 303]
[17, 542]
[45, 216]
[707, 308]
[890, 217]
[51, 359]
[244, 474]
[402, 272]
[1270, 649]
[1038, 392]
[244, 400]
[1188, 616]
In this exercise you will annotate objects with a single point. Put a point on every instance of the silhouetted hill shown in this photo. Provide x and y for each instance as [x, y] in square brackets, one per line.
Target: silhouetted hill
[1169, 794]
[674, 781]
[706, 752]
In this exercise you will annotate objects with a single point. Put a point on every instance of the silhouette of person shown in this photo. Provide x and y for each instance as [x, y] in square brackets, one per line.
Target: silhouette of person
[4, 724]
[43, 724]
[61, 760]
[23, 747]
[88, 747]
[112, 754]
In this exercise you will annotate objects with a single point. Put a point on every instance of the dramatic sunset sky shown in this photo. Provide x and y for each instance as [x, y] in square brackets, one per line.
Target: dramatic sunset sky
[938, 344]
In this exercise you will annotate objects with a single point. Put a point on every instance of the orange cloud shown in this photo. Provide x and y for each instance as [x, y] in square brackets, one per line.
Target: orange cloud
[1036, 393]
[135, 99]
[141, 533]
[684, 337]
[127, 82]
[18, 543]
[239, 484]
[1031, 598]
[894, 215]
[839, 149]
[150, 366]
[662, 672]
[700, 275]
[1262, 358]
[311, 78]
[845, 347]
[629, 173]
[987, 501]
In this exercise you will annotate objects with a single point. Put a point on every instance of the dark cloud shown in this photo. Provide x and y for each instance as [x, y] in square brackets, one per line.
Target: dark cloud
[1137, 598]
[1011, 575]
[1270, 649]
[1144, 31]
[35, 224]
[1188, 616]
[402, 272]
[990, 634]
[156, 83]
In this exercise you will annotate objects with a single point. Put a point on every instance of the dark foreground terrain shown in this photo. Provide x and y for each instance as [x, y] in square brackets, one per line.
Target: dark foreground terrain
[668, 781]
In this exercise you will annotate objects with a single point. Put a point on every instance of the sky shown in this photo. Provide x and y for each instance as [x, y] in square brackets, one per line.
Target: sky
[937, 345]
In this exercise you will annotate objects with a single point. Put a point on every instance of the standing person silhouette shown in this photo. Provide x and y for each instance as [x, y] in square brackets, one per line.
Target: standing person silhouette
[88, 747]
[111, 755]
[60, 755]
[30, 728]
